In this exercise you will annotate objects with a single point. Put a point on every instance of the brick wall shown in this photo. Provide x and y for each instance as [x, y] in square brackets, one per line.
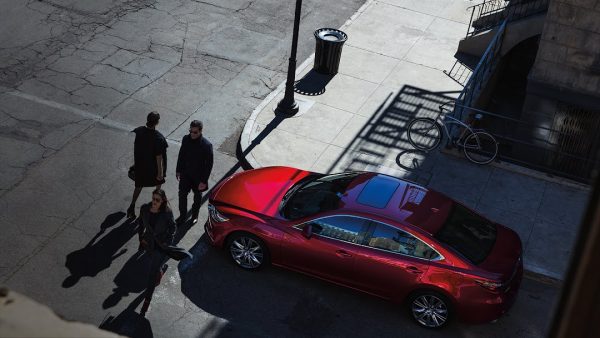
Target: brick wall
[569, 52]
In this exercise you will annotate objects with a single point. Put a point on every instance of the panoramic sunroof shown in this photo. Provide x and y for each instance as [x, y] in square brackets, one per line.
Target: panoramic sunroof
[378, 192]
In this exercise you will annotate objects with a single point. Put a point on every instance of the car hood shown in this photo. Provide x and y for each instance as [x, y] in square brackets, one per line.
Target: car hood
[258, 190]
[505, 253]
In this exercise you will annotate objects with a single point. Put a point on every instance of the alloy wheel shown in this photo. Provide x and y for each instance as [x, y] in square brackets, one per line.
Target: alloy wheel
[246, 252]
[429, 310]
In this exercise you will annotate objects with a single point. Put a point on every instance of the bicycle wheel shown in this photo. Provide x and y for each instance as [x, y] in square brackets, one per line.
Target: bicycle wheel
[480, 147]
[424, 133]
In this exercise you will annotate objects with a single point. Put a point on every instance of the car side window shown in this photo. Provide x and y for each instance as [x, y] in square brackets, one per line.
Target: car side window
[391, 239]
[344, 228]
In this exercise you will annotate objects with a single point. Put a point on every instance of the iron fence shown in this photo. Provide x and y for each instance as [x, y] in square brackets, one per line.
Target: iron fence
[490, 14]
[569, 148]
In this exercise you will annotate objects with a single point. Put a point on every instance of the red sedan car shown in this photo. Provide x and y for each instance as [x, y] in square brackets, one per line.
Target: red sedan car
[374, 233]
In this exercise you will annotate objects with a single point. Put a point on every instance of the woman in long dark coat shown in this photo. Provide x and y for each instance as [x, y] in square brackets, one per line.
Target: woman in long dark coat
[150, 158]
[156, 232]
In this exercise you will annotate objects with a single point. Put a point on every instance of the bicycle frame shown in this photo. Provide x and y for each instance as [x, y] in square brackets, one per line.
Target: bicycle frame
[451, 122]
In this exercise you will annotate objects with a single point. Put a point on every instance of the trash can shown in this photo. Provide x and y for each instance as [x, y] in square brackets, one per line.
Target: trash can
[328, 50]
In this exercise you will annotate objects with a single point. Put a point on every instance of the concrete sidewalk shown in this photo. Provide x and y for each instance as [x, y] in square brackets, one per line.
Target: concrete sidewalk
[390, 72]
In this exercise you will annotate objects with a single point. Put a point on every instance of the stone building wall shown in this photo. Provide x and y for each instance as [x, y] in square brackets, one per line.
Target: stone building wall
[569, 53]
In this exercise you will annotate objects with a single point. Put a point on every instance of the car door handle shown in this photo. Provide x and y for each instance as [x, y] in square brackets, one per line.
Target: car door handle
[413, 269]
[343, 254]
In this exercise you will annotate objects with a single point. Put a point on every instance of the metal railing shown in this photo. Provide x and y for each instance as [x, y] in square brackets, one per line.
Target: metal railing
[490, 14]
[459, 73]
[568, 149]
[480, 76]
[573, 153]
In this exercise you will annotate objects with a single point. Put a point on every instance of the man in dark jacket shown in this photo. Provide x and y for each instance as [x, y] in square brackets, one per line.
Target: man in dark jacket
[194, 165]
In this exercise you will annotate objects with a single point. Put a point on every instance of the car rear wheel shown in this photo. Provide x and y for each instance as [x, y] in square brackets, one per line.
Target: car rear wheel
[429, 309]
[247, 251]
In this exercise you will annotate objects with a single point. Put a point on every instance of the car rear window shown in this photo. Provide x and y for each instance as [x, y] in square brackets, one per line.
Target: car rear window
[469, 234]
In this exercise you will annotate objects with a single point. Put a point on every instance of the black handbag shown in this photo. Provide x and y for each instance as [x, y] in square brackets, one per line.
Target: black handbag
[131, 173]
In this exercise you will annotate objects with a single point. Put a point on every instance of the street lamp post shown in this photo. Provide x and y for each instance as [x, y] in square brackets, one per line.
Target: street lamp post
[288, 105]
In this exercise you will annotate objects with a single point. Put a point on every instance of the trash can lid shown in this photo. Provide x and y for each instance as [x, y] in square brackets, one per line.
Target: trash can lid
[330, 34]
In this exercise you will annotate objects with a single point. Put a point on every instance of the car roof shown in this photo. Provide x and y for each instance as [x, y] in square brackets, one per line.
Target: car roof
[398, 200]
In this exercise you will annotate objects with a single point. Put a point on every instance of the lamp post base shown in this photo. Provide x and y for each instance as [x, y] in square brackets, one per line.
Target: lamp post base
[287, 107]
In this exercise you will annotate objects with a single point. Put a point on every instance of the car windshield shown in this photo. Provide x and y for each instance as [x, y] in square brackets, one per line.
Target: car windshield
[469, 234]
[322, 193]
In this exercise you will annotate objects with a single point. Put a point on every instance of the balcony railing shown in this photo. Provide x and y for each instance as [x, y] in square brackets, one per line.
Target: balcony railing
[459, 72]
[481, 74]
[492, 13]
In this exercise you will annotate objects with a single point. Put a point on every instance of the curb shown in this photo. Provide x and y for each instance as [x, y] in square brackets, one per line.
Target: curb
[540, 277]
[245, 141]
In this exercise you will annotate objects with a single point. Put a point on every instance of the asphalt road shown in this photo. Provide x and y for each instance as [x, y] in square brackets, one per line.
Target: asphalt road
[75, 78]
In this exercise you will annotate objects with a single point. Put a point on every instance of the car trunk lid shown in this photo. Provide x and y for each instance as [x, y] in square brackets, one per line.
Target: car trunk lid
[505, 255]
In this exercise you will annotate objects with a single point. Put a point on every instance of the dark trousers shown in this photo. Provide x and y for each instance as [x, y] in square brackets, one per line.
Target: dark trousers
[185, 185]
[156, 261]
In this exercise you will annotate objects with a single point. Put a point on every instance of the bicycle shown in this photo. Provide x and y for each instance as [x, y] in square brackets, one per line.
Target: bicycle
[479, 147]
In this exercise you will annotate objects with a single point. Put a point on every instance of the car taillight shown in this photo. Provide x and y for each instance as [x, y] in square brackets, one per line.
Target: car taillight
[215, 214]
[490, 285]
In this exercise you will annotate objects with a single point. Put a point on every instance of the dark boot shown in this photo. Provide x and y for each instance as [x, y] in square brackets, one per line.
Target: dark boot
[181, 219]
[195, 216]
[196, 206]
[145, 307]
[131, 211]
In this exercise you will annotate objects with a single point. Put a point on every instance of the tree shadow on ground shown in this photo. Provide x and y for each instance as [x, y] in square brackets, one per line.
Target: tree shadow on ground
[98, 255]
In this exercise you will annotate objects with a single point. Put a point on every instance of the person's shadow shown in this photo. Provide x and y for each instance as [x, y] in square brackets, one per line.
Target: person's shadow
[129, 323]
[133, 277]
[98, 255]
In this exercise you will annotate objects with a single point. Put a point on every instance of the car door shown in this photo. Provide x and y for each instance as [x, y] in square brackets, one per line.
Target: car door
[391, 261]
[329, 253]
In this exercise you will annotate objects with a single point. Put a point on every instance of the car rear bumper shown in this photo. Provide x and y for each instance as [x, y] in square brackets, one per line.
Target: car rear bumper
[488, 308]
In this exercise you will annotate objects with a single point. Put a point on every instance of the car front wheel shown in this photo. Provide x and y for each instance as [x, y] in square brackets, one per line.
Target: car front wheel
[429, 309]
[247, 251]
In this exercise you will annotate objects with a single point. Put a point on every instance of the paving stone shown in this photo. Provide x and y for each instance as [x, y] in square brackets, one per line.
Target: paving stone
[511, 191]
[548, 242]
[395, 40]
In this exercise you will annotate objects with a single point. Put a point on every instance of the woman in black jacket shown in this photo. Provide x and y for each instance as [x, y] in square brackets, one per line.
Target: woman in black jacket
[156, 232]
[149, 158]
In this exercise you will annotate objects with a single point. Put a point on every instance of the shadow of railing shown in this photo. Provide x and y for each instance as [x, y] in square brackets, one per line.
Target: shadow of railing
[382, 145]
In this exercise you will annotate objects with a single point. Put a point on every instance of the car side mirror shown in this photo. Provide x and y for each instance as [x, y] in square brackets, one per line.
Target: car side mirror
[307, 231]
